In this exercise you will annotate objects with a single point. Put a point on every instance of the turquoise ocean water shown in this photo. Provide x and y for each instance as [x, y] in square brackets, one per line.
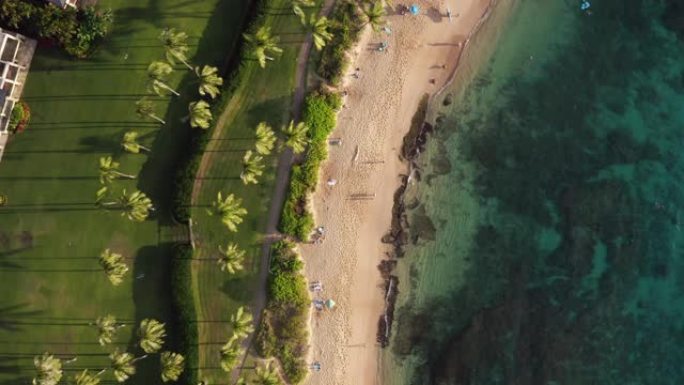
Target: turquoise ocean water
[546, 223]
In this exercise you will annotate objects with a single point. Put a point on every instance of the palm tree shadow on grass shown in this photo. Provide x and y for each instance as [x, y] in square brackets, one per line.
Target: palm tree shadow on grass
[10, 315]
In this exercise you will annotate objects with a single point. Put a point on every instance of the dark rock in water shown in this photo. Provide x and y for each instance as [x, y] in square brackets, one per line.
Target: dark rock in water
[448, 100]
[388, 239]
[422, 226]
[386, 267]
[385, 321]
[413, 204]
[441, 164]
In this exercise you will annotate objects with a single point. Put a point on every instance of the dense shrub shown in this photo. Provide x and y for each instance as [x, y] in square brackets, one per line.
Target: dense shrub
[345, 25]
[184, 313]
[283, 331]
[74, 30]
[265, 342]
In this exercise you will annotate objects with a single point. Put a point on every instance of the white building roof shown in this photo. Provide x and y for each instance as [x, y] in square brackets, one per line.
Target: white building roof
[16, 52]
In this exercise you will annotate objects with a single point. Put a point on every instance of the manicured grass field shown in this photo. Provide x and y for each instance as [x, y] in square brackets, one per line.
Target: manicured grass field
[264, 95]
[50, 232]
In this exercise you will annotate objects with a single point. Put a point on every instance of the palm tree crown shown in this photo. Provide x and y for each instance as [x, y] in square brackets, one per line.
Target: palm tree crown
[296, 136]
[116, 269]
[209, 81]
[319, 30]
[130, 143]
[172, 365]
[230, 210]
[266, 375]
[135, 206]
[265, 139]
[241, 322]
[145, 109]
[262, 43]
[252, 167]
[175, 46]
[157, 72]
[106, 325]
[200, 115]
[297, 8]
[230, 355]
[85, 378]
[151, 334]
[109, 170]
[48, 368]
[123, 364]
[231, 258]
[375, 15]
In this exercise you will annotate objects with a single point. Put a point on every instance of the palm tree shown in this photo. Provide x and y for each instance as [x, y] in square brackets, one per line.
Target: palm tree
[200, 115]
[266, 139]
[241, 322]
[109, 171]
[48, 368]
[296, 136]
[231, 258]
[230, 355]
[240, 381]
[136, 206]
[3, 200]
[252, 167]
[130, 143]
[157, 72]
[262, 43]
[175, 46]
[319, 30]
[151, 334]
[123, 364]
[230, 210]
[297, 8]
[209, 81]
[145, 109]
[106, 325]
[172, 365]
[266, 375]
[85, 378]
[116, 269]
[375, 15]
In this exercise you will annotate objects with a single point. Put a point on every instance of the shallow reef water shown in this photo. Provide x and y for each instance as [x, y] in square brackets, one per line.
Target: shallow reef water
[552, 195]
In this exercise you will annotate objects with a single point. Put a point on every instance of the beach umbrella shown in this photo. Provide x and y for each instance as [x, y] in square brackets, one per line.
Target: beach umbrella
[330, 304]
[414, 9]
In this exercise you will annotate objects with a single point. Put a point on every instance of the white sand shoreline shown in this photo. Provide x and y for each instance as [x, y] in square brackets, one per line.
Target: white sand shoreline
[380, 104]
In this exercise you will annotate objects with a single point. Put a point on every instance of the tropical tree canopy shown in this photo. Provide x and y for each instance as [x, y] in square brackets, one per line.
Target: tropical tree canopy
[262, 43]
[172, 365]
[297, 8]
[230, 210]
[200, 115]
[151, 333]
[135, 206]
[48, 370]
[130, 143]
[115, 268]
[109, 170]
[295, 136]
[252, 167]
[85, 378]
[267, 375]
[209, 81]
[3, 199]
[319, 30]
[123, 364]
[231, 258]
[157, 72]
[106, 325]
[145, 109]
[230, 355]
[241, 323]
[175, 46]
[265, 139]
[375, 15]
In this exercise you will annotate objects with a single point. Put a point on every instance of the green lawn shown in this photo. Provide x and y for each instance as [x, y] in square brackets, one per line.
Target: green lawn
[50, 233]
[264, 95]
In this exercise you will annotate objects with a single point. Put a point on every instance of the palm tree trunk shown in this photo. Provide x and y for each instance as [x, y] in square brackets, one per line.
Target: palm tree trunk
[140, 358]
[110, 204]
[187, 64]
[145, 148]
[155, 117]
[101, 372]
[128, 176]
[166, 87]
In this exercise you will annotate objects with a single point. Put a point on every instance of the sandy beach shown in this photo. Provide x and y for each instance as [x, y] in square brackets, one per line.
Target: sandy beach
[421, 56]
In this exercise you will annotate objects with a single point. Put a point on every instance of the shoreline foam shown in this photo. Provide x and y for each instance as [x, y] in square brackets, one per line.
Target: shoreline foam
[379, 108]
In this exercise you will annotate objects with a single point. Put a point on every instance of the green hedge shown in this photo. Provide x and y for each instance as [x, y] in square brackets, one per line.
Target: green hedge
[283, 330]
[234, 75]
[320, 115]
[345, 24]
[184, 313]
